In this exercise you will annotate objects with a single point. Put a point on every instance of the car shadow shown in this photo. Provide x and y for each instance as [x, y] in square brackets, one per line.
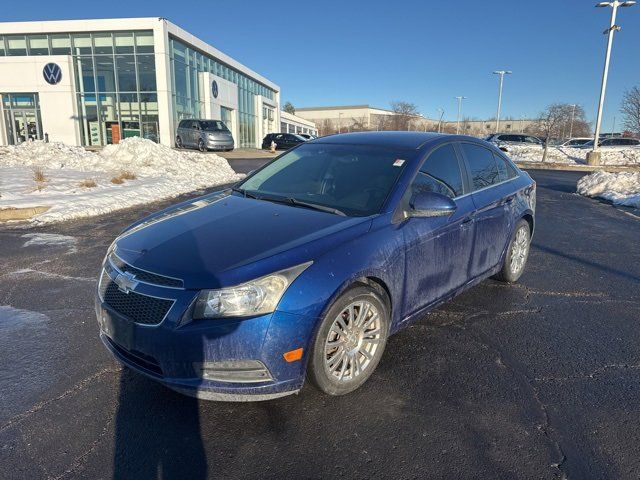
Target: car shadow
[157, 432]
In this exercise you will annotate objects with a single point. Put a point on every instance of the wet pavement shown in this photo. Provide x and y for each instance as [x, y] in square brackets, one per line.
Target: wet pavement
[535, 380]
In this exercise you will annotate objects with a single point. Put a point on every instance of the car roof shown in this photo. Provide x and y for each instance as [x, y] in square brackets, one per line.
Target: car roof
[411, 140]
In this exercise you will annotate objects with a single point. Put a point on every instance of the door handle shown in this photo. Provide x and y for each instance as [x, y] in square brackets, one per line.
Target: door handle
[508, 201]
[466, 222]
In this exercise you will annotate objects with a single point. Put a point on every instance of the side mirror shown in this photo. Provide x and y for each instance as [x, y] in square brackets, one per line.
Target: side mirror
[431, 204]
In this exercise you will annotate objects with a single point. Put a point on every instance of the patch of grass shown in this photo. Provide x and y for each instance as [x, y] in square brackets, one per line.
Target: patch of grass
[38, 175]
[122, 176]
[88, 183]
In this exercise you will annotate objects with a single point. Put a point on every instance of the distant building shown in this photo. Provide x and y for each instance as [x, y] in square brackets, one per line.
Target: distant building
[346, 117]
[487, 127]
[295, 124]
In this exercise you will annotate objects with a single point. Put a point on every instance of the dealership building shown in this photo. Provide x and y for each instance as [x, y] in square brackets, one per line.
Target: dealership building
[95, 82]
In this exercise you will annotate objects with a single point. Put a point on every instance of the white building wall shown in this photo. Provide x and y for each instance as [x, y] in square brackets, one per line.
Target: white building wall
[58, 108]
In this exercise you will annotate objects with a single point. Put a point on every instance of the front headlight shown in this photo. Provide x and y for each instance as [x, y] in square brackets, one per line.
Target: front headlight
[256, 297]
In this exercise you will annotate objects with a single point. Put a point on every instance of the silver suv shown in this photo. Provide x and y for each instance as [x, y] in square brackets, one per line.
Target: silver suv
[204, 135]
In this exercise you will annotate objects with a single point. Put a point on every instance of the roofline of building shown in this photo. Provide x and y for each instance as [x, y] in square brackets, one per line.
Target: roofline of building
[129, 23]
[343, 107]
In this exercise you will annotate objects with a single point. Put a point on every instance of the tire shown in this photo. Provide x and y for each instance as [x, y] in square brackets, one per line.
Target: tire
[517, 254]
[332, 369]
[201, 146]
[179, 142]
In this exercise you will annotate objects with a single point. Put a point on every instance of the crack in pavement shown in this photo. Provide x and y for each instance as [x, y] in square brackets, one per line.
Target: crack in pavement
[597, 371]
[21, 417]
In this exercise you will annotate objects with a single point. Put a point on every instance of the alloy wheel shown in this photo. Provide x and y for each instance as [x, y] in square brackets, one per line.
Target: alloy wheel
[352, 342]
[519, 250]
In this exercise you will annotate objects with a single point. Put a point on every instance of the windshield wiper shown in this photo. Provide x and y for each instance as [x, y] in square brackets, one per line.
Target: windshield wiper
[316, 206]
[244, 193]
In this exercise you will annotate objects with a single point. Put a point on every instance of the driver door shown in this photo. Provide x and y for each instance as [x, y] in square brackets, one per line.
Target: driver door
[438, 249]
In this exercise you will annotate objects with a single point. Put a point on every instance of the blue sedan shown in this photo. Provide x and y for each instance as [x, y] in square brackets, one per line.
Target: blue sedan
[305, 268]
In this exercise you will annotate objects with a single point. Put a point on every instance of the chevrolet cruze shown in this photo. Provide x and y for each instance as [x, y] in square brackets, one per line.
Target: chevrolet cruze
[304, 268]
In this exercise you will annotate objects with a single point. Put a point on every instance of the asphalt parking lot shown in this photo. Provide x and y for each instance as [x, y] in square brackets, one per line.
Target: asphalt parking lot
[535, 380]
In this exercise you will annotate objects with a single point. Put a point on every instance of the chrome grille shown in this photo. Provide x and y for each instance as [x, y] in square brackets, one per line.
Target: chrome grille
[143, 275]
[136, 307]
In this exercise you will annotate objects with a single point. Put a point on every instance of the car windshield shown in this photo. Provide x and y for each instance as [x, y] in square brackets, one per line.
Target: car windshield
[351, 179]
[213, 126]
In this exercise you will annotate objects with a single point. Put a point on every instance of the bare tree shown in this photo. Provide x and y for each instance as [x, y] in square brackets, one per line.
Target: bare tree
[359, 124]
[326, 127]
[631, 110]
[550, 123]
[404, 112]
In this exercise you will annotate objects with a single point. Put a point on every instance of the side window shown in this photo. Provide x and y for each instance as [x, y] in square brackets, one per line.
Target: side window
[482, 166]
[440, 173]
[505, 170]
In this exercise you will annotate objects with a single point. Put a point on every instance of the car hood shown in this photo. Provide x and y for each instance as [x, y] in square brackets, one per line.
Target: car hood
[224, 239]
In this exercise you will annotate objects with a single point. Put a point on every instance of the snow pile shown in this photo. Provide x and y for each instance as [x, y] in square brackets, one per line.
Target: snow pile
[79, 183]
[620, 188]
[609, 156]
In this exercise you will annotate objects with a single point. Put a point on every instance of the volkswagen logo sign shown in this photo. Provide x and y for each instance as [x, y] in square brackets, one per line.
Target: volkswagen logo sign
[52, 73]
[214, 89]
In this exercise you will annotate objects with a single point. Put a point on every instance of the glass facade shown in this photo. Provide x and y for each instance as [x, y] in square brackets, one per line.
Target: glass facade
[115, 76]
[186, 63]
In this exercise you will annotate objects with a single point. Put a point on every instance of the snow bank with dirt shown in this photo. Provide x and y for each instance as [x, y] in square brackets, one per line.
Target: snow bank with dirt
[525, 153]
[77, 183]
[620, 188]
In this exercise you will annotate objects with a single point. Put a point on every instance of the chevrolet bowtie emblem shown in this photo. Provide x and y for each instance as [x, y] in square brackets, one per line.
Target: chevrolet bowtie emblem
[126, 282]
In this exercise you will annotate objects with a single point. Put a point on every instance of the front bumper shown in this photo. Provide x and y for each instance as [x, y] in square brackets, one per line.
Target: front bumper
[220, 144]
[170, 351]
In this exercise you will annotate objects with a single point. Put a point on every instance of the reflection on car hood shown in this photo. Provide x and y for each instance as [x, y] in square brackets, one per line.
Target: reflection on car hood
[219, 240]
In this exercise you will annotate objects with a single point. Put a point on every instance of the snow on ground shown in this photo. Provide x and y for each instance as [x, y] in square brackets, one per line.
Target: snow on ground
[621, 188]
[159, 171]
[51, 239]
[609, 156]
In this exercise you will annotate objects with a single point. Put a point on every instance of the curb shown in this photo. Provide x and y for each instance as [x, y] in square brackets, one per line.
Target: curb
[577, 168]
[9, 214]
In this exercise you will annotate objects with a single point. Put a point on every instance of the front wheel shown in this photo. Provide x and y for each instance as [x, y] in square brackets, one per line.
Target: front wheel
[350, 341]
[517, 254]
[179, 142]
[201, 146]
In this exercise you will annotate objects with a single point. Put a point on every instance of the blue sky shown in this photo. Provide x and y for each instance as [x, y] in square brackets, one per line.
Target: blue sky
[425, 52]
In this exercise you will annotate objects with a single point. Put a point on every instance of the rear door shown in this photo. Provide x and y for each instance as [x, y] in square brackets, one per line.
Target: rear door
[493, 195]
[438, 249]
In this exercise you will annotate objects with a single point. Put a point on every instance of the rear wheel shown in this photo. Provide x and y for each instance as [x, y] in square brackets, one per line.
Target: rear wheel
[179, 142]
[517, 253]
[201, 146]
[350, 341]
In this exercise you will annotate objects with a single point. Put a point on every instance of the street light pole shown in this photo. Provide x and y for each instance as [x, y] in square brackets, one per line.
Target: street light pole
[593, 157]
[573, 114]
[502, 73]
[459, 113]
[441, 110]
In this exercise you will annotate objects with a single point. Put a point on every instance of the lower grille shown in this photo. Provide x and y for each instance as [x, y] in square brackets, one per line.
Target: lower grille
[136, 307]
[140, 360]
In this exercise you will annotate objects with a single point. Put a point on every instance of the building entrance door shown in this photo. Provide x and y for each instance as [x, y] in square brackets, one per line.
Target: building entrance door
[21, 118]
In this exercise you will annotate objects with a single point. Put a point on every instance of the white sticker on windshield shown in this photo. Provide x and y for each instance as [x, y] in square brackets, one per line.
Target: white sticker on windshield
[398, 163]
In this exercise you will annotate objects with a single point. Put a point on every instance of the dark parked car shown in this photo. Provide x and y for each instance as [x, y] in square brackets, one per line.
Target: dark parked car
[284, 141]
[204, 135]
[503, 140]
[305, 268]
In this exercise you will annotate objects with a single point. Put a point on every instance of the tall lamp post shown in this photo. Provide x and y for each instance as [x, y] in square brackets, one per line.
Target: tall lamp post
[593, 157]
[573, 115]
[502, 73]
[459, 113]
[441, 110]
